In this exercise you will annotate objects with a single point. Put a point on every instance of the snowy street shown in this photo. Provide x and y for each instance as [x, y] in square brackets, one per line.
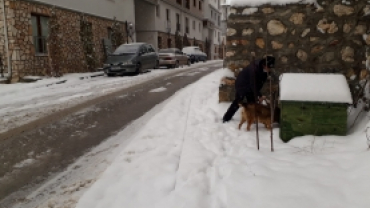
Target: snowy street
[180, 154]
[25, 102]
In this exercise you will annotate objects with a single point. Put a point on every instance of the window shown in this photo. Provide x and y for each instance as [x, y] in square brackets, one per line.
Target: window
[186, 25]
[40, 32]
[200, 5]
[110, 33]
[178, 25]
[143, 49]
[187, 4]
[211, 14]
[167, 14]
[150, 49]
[195, 3]
[157, 10]
[193, 25]
[159, 42]
[179, 2]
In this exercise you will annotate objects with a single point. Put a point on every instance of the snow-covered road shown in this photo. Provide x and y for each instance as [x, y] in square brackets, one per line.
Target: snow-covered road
[25, 102]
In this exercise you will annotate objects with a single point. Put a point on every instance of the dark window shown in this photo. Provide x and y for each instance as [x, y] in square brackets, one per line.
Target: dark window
[169, 43]
[159, 42]
[195, 3]
[167, 14]
[40, 32]
[187, 4]
[110, 33]
[157, 10]
[150, 48]
[179, 1]
[178, 25]
[200, 5]
[186, 25]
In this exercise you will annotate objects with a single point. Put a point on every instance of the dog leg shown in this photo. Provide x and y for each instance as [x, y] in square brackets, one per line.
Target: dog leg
[250, 121]
[241, 123]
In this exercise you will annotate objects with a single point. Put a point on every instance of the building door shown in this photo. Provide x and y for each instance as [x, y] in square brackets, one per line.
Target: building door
[169, 43]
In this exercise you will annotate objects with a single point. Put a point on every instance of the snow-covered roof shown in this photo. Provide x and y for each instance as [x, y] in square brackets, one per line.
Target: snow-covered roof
[315, 87]
[262, 2]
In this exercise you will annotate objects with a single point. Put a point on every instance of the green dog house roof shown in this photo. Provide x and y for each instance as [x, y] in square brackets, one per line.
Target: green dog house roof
[313, 104]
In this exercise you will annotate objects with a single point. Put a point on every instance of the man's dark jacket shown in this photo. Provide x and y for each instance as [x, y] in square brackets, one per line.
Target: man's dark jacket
[244, 84]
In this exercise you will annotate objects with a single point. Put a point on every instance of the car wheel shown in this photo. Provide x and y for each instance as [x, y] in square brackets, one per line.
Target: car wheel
[110, 74]
[156, 64]
[138, 69]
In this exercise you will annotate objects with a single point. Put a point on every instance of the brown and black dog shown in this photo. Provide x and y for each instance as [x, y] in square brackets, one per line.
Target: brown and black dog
[263, 115]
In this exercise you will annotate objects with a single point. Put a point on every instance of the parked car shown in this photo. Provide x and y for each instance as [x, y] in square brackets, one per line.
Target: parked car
[131, 58]
[195, 54]
[172, 58]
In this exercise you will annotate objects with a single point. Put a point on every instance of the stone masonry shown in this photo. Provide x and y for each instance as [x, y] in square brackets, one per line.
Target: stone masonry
[330, 37]
[66, 51]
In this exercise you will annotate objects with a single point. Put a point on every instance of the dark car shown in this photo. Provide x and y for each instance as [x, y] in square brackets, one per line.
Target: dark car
[131, 58]
[195, 54]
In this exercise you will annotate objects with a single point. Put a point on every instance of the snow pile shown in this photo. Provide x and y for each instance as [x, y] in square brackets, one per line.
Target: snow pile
[184, 156]
[315, 87]
[256, 3]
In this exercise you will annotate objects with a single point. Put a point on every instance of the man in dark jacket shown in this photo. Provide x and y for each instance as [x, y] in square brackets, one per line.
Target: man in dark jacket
[249, 81]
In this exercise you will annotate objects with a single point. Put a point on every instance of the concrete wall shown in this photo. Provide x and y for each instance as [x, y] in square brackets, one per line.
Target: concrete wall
[303, 38]
[121, 9]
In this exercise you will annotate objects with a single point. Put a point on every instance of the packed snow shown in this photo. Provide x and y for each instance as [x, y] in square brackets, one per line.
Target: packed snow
[180, 154]
[315, 87]
[159, 89]
[184, 156]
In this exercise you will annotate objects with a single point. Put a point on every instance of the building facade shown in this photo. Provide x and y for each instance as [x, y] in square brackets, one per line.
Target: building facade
[212, 28]
[170, 23]
[51, 37]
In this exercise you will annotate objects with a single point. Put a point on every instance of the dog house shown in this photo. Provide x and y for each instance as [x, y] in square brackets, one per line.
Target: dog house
[313, 104]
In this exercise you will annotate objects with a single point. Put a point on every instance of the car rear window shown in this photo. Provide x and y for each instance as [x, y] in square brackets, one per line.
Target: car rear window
[167, 50]
[127, 49]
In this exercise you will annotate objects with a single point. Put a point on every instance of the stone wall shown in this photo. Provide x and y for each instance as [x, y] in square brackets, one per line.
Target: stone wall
[323, 38]
[66, 52]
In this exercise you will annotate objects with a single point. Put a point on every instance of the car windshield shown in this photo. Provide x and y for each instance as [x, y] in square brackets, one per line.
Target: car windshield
[126, 49]
[167, 50]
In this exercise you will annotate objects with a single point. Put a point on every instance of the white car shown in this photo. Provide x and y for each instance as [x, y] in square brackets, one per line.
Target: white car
[195, 54]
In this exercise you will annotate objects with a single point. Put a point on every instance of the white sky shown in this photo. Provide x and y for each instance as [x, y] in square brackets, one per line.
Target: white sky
[180, 154]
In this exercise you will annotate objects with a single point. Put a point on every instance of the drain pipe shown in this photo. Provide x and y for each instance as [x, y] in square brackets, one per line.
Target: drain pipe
[6, 42]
